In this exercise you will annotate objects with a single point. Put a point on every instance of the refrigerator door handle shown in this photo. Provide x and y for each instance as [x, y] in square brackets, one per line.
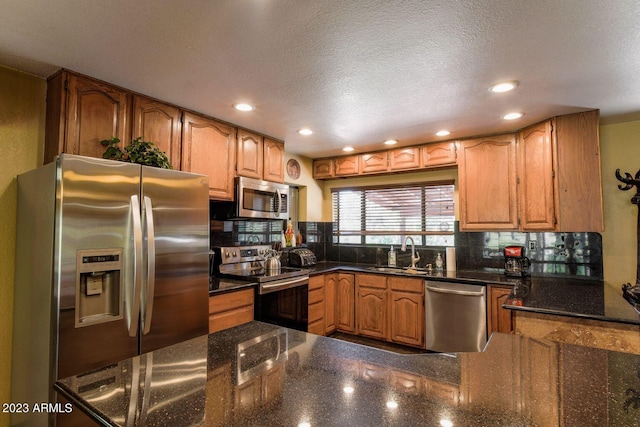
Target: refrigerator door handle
[151, 266]
[134, 297]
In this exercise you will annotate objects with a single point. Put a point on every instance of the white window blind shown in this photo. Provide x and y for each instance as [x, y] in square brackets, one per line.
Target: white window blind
[382, 215]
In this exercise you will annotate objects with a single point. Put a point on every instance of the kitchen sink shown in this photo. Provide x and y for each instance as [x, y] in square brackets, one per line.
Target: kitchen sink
[401, 270]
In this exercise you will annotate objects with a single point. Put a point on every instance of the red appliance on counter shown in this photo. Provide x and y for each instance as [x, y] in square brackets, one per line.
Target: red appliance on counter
[516, 264]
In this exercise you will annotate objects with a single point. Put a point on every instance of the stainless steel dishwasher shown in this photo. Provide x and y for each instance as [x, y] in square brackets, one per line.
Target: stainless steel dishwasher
[456, 317]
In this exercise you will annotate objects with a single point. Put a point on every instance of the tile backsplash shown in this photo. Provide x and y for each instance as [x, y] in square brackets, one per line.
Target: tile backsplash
[564, 254]
[556, 254]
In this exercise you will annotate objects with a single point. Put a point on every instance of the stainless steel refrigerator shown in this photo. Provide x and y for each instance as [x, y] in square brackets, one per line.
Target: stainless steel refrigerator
[111, 261]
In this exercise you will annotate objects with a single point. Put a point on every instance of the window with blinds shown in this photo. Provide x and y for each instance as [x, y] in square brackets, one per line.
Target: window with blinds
[383, 215]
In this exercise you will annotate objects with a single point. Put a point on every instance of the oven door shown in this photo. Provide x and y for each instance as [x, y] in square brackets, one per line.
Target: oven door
[284, 302]
[262, 199]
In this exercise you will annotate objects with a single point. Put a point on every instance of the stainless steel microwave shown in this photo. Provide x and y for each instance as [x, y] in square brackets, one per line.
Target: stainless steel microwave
[261, 199]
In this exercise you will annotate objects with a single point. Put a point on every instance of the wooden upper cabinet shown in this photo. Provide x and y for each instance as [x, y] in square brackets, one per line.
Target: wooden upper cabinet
[439, 154]
[208, 148]
[536, 178]
[579, 175]
[159, 123]
[81, 112]
[260, 157]
[250, 154]
[323, 168]
[273, 160]
[404, 158]
[347, 165]
[487, 183]
[374, 162]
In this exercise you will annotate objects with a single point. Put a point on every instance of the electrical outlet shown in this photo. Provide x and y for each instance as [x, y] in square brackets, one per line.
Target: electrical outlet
[533, 245]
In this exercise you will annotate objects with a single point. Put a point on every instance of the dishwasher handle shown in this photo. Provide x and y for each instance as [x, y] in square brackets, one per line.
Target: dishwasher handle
[455, 292]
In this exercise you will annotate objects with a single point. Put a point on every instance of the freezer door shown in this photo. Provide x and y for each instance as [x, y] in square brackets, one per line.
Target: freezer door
[93, 281]
[176, 228]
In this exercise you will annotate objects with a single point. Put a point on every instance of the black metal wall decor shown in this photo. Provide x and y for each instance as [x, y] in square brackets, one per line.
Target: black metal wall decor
[632, 292]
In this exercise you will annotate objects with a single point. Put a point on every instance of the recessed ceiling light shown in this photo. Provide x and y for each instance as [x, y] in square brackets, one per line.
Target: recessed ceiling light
[503, 87]
[348, 149]
[512, 116]
[243, 107]
[443, 133]
[305, 131]
[391, 142]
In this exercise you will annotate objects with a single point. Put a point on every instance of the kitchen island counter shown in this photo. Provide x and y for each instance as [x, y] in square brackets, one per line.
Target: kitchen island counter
[264, 375]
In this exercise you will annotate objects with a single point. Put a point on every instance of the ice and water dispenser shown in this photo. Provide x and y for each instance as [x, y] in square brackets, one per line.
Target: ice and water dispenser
[99, 291]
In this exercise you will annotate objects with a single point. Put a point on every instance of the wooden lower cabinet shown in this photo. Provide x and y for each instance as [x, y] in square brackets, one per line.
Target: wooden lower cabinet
[407, 318]
[316, 301]
[499, 319]
[330, 286]
[322, 304]
[371, 312]
[390, 308]
[345, 303]
[230, 309]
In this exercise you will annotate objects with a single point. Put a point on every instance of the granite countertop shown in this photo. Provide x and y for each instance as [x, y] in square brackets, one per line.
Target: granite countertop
[566, 296]
[232, 378]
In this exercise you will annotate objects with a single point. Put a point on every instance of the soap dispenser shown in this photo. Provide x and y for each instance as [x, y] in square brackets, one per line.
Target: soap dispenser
[391, 258]
[439, 262]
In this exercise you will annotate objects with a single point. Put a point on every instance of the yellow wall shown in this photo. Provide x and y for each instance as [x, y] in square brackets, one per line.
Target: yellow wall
[311, 198]
[620, 147]
[22, 117]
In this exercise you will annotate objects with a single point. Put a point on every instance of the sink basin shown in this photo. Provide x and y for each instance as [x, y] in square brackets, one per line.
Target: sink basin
[401, 270]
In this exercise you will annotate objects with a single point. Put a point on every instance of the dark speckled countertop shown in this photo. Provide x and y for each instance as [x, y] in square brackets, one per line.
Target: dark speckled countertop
[242, 376]
[565, 296]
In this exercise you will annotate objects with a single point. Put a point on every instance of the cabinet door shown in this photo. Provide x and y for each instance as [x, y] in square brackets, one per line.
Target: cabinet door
[487, 178]
[374, 162]
[579, 178]
[95, 111]
[323, 168]
[439, 154]
[330, 283]
[273, 160]
[250, 155]
[345, 303]
[404, 158]
[536, 178]
[540, 379]
[159, 123]
[407, 318]
[500, 319]
[347, 165]
[208, 148]
[371, 312]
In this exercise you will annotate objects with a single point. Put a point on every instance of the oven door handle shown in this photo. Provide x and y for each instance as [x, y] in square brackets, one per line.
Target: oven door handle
[280, 285]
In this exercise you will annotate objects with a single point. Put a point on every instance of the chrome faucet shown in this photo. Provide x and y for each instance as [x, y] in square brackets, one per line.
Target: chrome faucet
[415, 257]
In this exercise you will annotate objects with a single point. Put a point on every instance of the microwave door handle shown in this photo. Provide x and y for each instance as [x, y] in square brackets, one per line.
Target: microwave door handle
[151, 266]
[276, 203]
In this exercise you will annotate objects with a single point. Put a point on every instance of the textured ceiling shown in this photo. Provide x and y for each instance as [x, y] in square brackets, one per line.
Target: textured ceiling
[356, 72]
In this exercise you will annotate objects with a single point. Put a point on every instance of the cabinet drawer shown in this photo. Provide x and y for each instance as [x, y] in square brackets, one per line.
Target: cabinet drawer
[316, 327]
[408, 284]
[316, 295]
[372, 280]
[316, 312]
[230, 318]
[316, 282]
[230, 301]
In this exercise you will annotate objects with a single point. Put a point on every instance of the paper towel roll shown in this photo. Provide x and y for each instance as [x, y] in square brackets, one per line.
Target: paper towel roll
[451, 259]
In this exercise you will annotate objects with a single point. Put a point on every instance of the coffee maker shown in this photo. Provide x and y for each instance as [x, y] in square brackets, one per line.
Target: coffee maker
[516, 264]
